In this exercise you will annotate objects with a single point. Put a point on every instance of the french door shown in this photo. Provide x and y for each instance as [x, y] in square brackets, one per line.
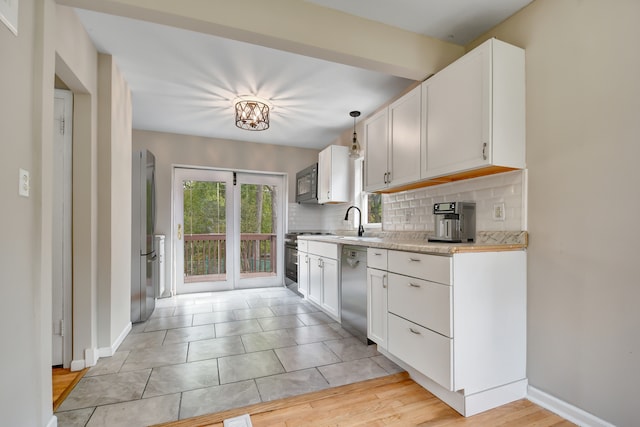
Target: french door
[228, 228]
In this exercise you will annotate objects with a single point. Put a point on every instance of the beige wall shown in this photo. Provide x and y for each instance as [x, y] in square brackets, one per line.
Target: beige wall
[20, 247]
[77, 67]
[114, 203]
[583, 146]
[172, 149]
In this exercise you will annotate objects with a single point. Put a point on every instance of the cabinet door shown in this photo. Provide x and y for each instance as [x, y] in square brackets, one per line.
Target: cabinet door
[426, 351]
[377, 306]
[315, 279]
[331, 287]
[303, 273]
[405, 142]
[458, 121]
[376, 142]
[324, 175]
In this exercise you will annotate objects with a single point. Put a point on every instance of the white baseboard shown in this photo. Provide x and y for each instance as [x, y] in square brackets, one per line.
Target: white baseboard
[564, 409]
[110, 351]
[77, 365]
[53, 422]
[91, 357]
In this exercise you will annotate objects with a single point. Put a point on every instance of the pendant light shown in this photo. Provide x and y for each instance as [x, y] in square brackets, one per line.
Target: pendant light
[354, 151]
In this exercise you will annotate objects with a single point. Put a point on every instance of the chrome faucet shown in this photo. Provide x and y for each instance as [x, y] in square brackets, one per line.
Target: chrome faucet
[360, 227]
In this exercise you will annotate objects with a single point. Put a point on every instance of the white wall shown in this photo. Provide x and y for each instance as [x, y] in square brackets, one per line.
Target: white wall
[583, 133]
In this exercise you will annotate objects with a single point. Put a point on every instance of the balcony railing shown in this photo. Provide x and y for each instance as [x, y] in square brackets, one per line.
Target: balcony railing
[205, 256]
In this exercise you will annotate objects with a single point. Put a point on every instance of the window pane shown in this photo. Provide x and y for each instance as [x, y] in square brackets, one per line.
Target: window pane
[374, 204]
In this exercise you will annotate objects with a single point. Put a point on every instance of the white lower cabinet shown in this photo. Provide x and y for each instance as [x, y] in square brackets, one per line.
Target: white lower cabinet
[457, 323]
[377, 306]
[303, 273]
[428, 352]
[324, 277]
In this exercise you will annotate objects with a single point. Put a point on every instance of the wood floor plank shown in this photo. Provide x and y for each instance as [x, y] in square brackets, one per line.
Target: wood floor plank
[395, 400]
[63, 381]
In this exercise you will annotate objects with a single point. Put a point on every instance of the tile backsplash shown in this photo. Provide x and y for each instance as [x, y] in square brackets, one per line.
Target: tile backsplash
[412, 210]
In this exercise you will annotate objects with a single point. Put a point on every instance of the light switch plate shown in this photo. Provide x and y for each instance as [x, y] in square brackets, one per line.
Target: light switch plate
[498, 212]
[23, 183]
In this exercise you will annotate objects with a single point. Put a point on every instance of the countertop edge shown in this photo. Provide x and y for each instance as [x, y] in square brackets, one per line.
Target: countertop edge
[441, 248]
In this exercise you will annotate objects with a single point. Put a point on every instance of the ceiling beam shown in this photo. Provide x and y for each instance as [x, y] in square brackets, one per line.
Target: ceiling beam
[295, 26]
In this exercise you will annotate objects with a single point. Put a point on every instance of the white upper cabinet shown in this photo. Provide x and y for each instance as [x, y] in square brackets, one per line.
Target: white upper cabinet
[405, 142]
[376, 137]
[475, 112]
[333, 175]
[393, 143]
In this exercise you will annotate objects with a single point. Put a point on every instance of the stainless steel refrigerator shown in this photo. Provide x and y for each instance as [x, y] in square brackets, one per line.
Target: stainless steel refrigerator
[144, 256]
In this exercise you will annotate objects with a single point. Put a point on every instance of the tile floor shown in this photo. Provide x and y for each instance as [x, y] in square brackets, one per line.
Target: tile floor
[203, 353]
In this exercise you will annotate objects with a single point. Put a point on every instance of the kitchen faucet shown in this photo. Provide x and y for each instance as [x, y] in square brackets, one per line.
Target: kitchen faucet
[360, 227]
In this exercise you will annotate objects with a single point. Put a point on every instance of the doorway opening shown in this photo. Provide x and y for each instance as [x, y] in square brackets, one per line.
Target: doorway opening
[228, 228]
[61, 230]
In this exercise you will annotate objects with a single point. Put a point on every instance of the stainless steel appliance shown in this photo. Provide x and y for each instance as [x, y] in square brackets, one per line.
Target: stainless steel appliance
[307, 185]
[353, 310]
[143, 251]
[455, 222]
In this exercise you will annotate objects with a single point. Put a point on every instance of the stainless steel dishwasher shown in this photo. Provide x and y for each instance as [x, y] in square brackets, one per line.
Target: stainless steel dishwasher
[354, 291]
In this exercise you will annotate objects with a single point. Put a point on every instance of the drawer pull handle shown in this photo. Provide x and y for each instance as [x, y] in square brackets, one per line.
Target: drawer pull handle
[377, 254]
[413, 331]
[414, 285]
[414, 260]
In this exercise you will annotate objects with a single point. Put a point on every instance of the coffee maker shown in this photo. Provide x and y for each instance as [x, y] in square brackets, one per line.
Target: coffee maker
[455, 222]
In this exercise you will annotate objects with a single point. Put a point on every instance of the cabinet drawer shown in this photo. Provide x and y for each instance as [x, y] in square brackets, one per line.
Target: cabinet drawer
[303, 245]
[377, 258]
[429, 267]
[327, 250]
[424, 350]
[426, 303]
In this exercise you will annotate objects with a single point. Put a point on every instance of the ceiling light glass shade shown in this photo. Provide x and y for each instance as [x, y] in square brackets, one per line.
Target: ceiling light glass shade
[354, 151]
[252, 115]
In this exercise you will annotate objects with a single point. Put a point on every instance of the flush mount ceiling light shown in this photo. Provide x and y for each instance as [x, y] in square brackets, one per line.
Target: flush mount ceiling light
[252, 113]
[354, 151]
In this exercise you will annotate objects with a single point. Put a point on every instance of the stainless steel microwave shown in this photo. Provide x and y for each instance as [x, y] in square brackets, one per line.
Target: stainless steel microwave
[307, 185]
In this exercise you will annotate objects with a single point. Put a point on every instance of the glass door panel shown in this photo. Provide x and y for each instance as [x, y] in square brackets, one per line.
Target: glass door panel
[260, 229]
[204, 246]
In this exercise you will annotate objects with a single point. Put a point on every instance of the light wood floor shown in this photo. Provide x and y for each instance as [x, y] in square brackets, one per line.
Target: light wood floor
[393, 400]
[63, 382]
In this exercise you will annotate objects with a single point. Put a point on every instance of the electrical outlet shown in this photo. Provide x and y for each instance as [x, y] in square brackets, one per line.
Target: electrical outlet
[23, 183]
[498, 212]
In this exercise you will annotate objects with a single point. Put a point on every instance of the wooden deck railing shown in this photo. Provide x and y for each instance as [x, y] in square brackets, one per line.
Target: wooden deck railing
[205, 255]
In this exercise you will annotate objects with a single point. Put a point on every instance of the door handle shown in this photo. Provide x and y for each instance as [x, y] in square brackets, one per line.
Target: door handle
[179, 231]
[384, 281]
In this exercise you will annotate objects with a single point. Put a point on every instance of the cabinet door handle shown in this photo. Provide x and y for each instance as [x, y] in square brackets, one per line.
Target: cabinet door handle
[413, 331]
[385, 177]
[413, 285]
[384, 281]
[414, 260]
[328, 195]
[388, 177]
[484, 151]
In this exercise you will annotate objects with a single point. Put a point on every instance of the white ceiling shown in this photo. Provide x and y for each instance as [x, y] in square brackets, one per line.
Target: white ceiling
[185, 82]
